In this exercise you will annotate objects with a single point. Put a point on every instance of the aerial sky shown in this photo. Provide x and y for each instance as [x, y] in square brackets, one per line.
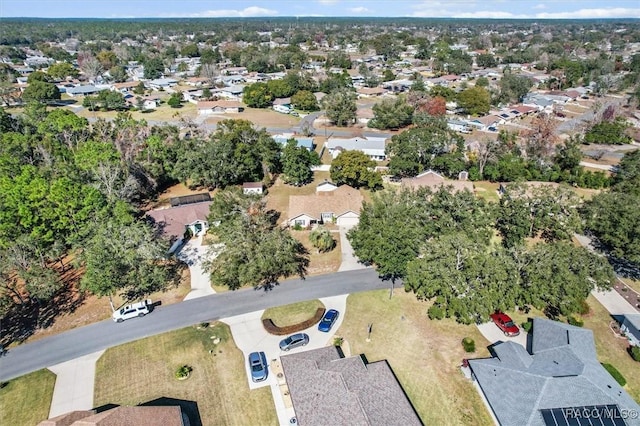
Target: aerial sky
[517, 9]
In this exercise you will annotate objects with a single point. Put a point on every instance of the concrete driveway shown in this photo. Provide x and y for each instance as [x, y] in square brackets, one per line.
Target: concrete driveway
[493, 334]
[250, 336]
[349, 261]
[193, 253]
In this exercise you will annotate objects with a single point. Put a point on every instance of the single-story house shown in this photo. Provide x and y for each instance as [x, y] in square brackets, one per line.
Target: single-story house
[138, 415]
[162, 83]
[326, 186]
[435, 181]
[370, 92]
[488, 121]
[234, 70]
[342, 206]
[252, 188]
[328, 389]
[82, 90]
[175, 222]
[283, 138]
[458, 126]
[560, 379]
[372, 146]
[282, 101]
[233, 93]
[631, 328]
[125, 87]
[220, 107]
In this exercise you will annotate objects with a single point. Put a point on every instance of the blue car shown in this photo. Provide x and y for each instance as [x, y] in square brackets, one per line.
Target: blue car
[327, 321]
[258, 366]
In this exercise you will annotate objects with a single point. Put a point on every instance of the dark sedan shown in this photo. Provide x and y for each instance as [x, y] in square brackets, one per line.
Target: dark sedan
[327, 321]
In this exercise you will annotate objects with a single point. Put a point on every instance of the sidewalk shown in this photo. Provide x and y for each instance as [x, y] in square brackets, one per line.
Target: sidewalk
[614, 303]
[74, 384]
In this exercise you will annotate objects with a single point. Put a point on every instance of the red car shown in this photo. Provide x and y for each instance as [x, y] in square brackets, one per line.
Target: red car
[505, 323]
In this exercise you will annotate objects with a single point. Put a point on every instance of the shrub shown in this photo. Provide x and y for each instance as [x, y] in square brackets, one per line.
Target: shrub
[634, 351]
[435, 312]
[297, 227]
[575, 321]
[615, 374]
[527, 326]
[337, 341]
[183, 372]
[272, 328]
[469, 344]
[583, 308]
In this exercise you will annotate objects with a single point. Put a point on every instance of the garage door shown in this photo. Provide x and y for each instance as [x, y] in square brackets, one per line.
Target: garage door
[347, 221]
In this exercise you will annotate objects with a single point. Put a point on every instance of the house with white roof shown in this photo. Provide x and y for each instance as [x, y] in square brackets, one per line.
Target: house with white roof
[374, 147]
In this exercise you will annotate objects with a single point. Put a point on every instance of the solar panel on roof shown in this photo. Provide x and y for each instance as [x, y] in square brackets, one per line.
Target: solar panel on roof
[592, 415]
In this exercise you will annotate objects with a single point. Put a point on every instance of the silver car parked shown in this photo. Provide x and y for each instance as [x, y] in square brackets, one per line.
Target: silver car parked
[294, 341]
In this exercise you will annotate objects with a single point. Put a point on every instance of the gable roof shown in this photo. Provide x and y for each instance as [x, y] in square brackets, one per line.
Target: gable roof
[174, 219]
[327, 389]
[219, 104]
[563, 371]
[435, 181]
[119, 416]
[340, 201]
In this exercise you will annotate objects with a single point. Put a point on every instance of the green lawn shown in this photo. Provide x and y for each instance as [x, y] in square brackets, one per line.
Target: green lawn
[143, 371]
[27, 399]
[612, 349]
[286, 315]
[423, 354]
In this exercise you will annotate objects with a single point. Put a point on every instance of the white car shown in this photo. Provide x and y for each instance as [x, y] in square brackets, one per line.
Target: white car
[138, 309]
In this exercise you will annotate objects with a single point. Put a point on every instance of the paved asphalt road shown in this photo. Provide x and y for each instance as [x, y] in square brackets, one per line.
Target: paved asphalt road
[81, 341]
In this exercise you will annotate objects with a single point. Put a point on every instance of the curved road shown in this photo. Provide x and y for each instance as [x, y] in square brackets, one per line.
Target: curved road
[81, 341]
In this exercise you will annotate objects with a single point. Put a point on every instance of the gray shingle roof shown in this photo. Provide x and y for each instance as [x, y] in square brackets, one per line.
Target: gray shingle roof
[327, 389]
[563, 371]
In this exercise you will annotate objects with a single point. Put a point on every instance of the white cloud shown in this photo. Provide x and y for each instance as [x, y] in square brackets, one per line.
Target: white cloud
[327, 1]
[616, 12]
[540, 6]
[360, 10]
[433, 11]
[248, 12]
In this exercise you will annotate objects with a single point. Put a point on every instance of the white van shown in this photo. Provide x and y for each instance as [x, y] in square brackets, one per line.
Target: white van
[282, 109]
[138, 309]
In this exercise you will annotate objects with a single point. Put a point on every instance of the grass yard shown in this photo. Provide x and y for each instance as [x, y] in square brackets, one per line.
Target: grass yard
[295, 313]
[266, 117]
[218, 383]
[487, 190]
[320, 263]
[634, 284]
[423, 354]
[612, 349]
[27, 399]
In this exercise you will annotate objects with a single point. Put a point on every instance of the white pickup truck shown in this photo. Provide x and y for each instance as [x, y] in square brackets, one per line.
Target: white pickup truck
[138, 309]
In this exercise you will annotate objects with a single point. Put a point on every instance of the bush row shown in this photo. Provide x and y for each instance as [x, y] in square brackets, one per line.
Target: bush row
[281, 331]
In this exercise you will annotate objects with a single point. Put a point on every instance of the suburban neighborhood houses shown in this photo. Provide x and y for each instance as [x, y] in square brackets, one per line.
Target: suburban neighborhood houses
[360, 217]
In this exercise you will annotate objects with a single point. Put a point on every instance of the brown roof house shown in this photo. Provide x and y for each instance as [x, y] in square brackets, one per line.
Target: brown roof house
[122, 416]
[435, 181]
[174, 222]
[328, 389]
[341, 205]
[220, 107]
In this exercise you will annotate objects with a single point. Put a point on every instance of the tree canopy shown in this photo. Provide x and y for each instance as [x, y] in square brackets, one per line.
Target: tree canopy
[340, 107]
[355, 169]
[253, 250]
